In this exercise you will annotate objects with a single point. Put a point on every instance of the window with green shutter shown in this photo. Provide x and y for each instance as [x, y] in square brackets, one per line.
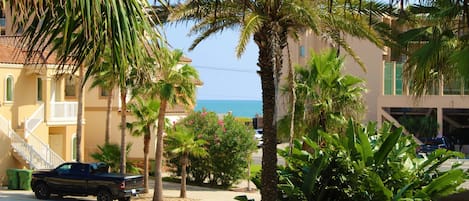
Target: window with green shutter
[388, 81]
[399, 85]
[9, 89]
[39, 89]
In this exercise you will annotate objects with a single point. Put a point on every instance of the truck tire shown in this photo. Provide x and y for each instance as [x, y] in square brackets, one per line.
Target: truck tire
[125, 199]
[41, 191]
[104, 195]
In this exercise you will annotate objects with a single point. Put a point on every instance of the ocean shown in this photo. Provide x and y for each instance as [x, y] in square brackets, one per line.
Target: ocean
[239, 108]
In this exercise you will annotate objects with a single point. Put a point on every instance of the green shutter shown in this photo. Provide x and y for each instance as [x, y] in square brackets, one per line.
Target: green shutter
[39, 89]
[9, 89]
[399, 85]
[388, 78]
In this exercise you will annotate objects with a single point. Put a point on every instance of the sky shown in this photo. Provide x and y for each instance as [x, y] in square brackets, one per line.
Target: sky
[225, 77]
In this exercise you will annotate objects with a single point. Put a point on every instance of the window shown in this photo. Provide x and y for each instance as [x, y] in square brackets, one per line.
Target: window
[399, 85]
[104, 92]
[388, 82]
[302, 51]
[64, 169]
[9, 89]
[70, 86]
[2, 20]
[39, 89]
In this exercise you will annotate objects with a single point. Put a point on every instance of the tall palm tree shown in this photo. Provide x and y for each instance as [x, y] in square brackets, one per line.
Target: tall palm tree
[175, 84]
[269, 23]
[183, 144]
[80, 31]
[146, 114]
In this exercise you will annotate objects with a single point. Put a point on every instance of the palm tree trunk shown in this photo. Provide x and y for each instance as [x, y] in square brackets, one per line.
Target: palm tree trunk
[158, 192]
[108, 117]
[184, 161]
[269, 178]
[292, 84]
[122, 127]
[80, 113]
[146, 150]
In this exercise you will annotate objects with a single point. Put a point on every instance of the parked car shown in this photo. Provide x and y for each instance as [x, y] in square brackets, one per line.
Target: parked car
[83, 179]
[258, 137]
[431, 144]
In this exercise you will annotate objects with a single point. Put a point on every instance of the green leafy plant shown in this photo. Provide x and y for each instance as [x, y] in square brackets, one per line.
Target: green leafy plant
[229, 143]
[182, 143]
[365, 163]
[110, 154]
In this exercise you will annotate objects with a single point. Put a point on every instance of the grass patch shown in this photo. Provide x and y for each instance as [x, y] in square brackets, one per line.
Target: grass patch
[255, 169]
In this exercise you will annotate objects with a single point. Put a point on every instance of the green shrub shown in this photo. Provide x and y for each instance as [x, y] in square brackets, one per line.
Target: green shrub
[363, 164]
[229, 143]
[110, 154]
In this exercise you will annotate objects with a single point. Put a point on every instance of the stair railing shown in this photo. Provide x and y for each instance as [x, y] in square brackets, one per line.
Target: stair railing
[30, 124]
[26, 151]
[45, 151]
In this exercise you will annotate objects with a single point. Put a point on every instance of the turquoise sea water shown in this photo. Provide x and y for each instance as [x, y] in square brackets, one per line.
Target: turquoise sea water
[239, 108]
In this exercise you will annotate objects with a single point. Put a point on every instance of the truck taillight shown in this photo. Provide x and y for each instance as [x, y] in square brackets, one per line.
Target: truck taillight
[122, 186]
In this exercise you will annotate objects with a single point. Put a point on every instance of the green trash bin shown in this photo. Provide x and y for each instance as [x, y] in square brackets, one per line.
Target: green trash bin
[13, 179]
[25, 179]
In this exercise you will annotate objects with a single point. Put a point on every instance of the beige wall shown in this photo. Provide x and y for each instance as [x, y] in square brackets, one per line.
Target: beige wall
[370, 55]
[24, 94]
[6, 159]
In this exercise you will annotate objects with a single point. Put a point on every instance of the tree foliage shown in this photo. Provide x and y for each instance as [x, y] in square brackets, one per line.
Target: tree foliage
[111, 154]
[181, 143]
[433, 35]
[229, 143]
[326, 97]
[366, 163]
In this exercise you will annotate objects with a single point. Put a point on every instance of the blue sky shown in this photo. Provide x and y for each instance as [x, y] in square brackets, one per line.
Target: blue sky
[225, 76]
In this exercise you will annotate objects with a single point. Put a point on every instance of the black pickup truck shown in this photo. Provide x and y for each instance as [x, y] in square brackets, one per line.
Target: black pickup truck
[83, 179]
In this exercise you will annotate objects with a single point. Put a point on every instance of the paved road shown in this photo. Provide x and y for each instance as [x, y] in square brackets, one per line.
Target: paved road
[257, 156]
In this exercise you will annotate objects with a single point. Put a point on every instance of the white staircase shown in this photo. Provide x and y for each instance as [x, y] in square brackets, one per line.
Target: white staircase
[33, 152]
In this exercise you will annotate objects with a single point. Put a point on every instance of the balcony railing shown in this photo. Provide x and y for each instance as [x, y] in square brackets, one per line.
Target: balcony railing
[63, 111]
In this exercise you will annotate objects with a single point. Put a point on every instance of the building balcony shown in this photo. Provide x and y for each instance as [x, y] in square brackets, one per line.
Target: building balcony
[63, 112]
[393, 83]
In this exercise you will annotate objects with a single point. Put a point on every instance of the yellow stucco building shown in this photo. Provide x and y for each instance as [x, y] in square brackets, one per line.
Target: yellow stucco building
[38, 111]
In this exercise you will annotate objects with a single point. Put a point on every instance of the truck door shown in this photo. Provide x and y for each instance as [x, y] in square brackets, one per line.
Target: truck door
[71, 179]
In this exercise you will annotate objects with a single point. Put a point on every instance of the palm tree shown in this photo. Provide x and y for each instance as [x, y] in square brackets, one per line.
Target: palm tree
[80, 31]
[269, 23]
[326, 98]
[440, 27]
[183, 143]
[104, 78]
[146, 113]
[175, 84]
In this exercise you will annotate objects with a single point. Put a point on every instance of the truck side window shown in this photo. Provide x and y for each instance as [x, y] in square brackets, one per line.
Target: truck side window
[78, 169]
[64, 169]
